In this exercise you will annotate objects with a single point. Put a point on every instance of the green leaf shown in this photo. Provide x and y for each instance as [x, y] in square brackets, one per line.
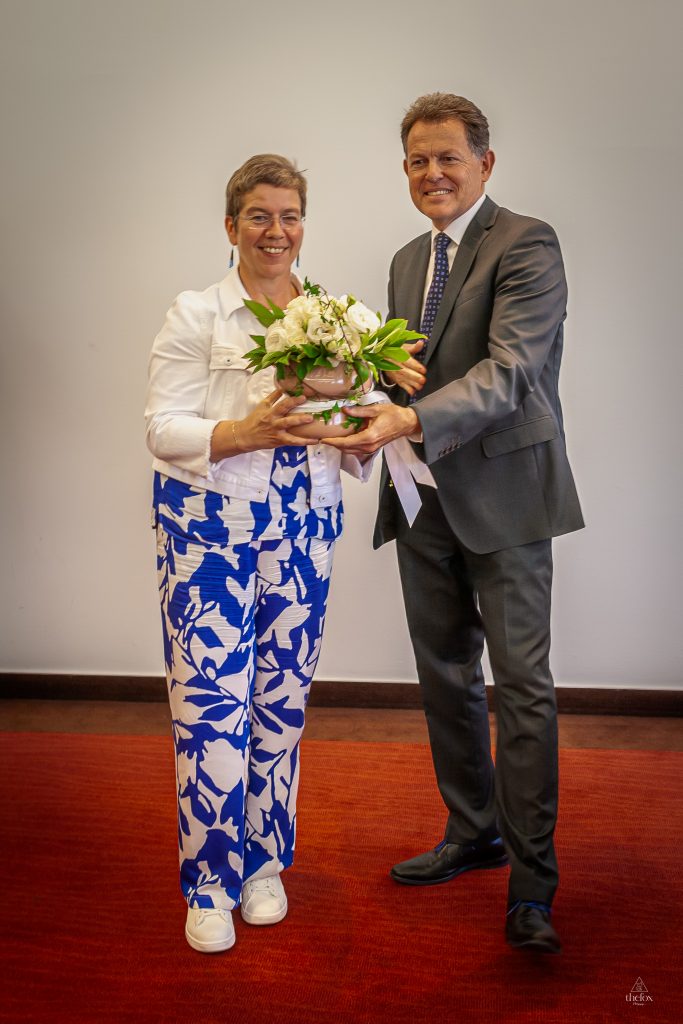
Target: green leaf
[389, 327]
[353, 421]
[398, 354]
[384, 364]
[362, 373]
[278, 313]
[264, 315]
[310, 288]
[393, 338]
[255, 353]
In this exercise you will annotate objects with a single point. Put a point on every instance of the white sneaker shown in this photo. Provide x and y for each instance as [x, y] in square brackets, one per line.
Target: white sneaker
[209, 930]
[264, 901]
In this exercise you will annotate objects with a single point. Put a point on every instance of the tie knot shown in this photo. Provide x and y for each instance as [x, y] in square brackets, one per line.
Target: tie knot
[441, 242]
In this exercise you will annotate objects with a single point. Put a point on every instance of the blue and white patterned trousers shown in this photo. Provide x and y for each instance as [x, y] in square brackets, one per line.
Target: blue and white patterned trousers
[242, 629]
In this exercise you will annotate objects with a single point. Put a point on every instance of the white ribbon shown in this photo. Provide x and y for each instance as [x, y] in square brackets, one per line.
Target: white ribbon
[404, 465]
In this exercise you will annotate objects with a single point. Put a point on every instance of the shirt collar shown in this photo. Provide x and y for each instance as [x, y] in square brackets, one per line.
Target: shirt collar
[456, 229]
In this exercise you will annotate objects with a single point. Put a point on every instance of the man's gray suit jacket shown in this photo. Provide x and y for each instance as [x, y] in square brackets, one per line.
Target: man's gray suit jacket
[490, 409]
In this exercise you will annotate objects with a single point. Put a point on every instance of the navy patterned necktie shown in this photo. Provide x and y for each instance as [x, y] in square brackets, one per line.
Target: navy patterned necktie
[435, 293]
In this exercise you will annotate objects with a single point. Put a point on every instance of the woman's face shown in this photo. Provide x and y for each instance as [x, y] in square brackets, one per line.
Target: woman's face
[268, 230]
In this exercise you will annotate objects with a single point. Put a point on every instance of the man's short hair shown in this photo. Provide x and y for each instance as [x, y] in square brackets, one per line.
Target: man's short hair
[263, 169]
[442, 106]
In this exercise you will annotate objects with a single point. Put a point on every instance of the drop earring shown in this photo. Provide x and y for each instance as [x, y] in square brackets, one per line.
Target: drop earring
[232, 258]
[298, 260]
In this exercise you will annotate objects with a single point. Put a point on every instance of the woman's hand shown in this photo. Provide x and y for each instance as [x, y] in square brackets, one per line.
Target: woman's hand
[411, 374]
[267, 426]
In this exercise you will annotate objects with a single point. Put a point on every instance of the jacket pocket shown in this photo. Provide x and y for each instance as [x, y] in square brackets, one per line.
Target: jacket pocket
[501, 442]
[227, 357]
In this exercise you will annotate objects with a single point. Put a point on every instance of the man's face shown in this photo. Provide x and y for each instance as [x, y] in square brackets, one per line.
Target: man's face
[444, 175]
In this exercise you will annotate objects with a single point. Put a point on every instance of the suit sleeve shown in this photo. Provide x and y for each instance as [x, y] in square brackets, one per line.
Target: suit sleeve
[529, 305]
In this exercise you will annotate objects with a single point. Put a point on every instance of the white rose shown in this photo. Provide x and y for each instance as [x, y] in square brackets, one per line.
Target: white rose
[276, 337]
[322, 333]
[352, 341]
[295, 332]
[301, 309]
[303, 306]
[362, 318]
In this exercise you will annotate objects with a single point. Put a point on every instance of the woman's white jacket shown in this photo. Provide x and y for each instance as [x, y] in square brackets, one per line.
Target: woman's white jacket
[197, 376]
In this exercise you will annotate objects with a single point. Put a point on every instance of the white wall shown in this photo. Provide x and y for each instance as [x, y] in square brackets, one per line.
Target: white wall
[120, 124]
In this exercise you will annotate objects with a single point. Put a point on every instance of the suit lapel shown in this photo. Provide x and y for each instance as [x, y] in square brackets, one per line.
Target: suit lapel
[409, 284]
[464, 258]
[412, 283]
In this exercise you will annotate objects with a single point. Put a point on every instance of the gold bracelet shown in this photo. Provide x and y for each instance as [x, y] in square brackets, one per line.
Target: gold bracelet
[234, 436]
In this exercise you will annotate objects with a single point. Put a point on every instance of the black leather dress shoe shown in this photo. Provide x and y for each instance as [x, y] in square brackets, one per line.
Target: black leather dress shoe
[448, 860]
[528, 927]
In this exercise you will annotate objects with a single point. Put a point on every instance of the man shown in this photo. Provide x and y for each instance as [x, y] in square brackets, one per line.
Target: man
[480, 401]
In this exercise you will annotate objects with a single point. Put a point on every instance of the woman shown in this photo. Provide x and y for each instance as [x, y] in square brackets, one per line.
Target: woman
[246, 517]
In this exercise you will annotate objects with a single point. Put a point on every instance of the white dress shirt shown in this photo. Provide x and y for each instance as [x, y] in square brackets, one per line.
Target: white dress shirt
[455, 230]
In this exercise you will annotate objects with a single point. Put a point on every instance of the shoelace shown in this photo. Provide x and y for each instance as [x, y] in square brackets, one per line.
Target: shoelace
[263, 885]
[205, 912]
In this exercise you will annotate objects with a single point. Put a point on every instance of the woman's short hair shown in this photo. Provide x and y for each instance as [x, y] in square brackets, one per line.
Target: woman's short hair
[264, 169]
[442, 106]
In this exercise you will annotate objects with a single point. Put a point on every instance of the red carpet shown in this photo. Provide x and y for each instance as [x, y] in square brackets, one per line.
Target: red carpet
[92, 919]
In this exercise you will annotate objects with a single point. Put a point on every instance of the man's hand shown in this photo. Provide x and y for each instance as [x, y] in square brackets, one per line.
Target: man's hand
[411, 374]
[385, 422]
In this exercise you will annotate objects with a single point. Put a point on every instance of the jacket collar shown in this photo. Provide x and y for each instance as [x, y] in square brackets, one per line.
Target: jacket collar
[232, 293]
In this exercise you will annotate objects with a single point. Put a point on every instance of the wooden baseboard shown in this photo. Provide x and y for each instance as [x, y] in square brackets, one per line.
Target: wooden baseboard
[570, 699]
[48, 686]
[336, 694]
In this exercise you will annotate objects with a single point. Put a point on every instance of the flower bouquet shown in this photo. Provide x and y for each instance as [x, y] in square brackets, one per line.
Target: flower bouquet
[330, 350]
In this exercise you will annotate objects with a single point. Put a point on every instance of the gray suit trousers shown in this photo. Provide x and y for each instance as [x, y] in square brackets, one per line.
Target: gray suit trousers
[455, 600]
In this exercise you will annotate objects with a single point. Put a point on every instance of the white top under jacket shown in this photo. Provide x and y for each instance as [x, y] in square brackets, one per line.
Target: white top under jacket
[197, 376]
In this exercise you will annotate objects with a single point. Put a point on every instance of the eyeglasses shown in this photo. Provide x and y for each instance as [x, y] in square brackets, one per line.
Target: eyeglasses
[266, 220]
